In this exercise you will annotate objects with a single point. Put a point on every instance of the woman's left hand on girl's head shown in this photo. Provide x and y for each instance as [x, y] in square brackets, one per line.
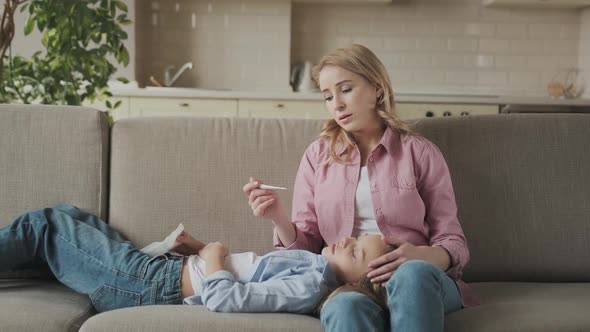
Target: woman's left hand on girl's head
[382, 268]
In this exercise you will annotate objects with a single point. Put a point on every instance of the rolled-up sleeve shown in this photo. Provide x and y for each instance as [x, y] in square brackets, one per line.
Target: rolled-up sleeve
[303, 208]
[436, 189]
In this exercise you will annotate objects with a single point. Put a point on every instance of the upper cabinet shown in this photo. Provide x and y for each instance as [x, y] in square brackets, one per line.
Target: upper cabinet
[538, 3]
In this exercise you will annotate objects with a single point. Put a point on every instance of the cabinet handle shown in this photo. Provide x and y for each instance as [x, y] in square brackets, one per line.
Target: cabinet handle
[429, 114]
[184, 105]
[464, 113]
[280, 105]
[447, 113]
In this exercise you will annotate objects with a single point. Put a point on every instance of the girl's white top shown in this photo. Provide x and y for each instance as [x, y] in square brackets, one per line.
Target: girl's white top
[237, 264]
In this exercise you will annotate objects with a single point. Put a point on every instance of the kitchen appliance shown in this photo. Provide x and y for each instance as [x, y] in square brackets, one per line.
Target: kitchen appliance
[301, 80]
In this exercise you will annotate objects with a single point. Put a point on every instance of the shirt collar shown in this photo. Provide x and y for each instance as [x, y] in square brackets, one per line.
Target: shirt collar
[389, 141]
[328, 274]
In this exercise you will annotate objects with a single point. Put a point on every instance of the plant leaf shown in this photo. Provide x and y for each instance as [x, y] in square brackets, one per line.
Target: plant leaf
[121, 5]
[30, 25]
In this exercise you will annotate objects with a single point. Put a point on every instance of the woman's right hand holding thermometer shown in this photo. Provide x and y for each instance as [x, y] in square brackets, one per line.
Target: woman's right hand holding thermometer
[266, 203]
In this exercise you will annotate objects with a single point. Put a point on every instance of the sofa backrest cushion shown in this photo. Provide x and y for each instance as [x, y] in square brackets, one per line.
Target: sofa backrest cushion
[51, 155]
[166, 171]
[522, 185]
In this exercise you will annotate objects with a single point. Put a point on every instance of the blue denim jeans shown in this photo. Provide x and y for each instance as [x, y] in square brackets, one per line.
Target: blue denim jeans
[419, 296]
[88, 256]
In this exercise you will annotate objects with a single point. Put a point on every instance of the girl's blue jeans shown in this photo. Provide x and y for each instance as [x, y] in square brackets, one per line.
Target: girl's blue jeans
[88, 256]
[419, 296]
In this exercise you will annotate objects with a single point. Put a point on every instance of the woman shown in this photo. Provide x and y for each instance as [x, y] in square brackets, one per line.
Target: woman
[368, 173]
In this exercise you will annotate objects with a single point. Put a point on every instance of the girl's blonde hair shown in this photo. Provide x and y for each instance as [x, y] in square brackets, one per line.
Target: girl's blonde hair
[374, 291]
[361, 61]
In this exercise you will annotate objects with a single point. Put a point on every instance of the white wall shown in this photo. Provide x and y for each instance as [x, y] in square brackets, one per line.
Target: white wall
[448, 46]
[233, 44]
[27, 45]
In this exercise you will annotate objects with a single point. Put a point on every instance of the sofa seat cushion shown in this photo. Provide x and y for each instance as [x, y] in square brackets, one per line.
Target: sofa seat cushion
[514, 306]
[159, 318]
[36, 305]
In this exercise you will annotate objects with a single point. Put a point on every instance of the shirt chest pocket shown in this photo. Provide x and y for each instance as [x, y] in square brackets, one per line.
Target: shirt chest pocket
[403, 183]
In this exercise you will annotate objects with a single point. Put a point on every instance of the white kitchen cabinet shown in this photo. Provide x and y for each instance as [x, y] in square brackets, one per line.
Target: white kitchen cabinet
[148, 106]
[120, 112]
[416, 110]
[538, 3]
[268, 108]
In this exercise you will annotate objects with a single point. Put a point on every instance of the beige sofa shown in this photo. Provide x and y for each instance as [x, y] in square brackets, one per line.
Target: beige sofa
[522, 184]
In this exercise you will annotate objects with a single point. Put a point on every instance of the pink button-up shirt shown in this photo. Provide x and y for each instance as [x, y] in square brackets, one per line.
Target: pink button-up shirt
[412, 196]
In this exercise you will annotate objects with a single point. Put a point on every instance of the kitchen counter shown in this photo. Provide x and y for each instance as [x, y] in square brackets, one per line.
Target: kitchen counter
[404, 97]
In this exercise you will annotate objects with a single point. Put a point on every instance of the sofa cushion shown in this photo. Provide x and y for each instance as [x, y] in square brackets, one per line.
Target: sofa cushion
[27, 305]
[195, 318]
[51, 155]
[513, 306]
[522, 189]
[166, 171]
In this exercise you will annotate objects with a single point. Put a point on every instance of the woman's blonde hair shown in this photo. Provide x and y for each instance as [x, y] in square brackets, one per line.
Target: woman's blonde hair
[361, 61]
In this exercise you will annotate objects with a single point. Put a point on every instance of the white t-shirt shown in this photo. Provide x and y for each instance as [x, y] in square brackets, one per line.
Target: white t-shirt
[237, 264]
[364, 216]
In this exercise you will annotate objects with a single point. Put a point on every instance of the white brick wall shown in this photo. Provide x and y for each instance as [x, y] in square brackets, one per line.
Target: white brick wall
[451, 45]
[233, 44]
[584, 56]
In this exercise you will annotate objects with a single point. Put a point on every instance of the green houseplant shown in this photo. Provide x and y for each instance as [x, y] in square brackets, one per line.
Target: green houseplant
[79, 36]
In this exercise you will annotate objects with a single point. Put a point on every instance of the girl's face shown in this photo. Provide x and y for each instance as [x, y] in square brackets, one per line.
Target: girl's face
[349, 98]
[350, 257]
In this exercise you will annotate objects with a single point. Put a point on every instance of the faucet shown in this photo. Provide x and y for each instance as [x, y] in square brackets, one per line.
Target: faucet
[167, 72]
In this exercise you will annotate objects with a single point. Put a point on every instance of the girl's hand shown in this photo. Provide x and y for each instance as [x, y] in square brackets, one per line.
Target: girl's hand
[382, 268]
[188, 244]
[214, 255]
[213, 251]
[264, 203]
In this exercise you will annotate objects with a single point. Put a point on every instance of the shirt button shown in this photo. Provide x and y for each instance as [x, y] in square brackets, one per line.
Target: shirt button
[371, 159]
[379, 212]
[373, 185]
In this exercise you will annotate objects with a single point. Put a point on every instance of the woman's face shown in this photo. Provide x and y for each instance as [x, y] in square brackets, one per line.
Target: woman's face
[349, 98]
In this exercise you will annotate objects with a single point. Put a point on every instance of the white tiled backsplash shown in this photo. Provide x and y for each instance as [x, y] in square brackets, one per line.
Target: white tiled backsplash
[451, 46]
[585, 49]
[232, 44]
[428, 45]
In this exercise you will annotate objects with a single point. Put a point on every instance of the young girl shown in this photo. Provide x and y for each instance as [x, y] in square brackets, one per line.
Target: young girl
[88, 256]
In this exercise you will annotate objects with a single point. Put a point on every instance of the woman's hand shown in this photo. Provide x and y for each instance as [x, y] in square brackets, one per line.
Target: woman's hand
[188, 244]
[264, 203]
[382, 268]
